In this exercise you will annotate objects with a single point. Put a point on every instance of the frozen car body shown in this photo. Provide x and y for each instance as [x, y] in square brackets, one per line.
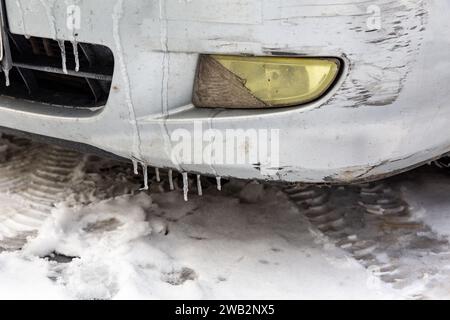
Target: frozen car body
[388, 112]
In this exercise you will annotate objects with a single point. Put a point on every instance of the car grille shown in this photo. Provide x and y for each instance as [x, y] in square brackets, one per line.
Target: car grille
[58, 73]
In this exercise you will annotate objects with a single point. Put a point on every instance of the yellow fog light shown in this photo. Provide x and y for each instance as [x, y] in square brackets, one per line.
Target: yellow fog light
[261, 82]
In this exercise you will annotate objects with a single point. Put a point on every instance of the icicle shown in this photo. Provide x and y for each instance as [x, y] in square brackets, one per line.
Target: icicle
[171, 180]
[62, 46]
[135, 166]
[76, 55]
[158, 178]
[144, 168]
[219, 183]
[6, 72]
[199, 185]
[185, 185]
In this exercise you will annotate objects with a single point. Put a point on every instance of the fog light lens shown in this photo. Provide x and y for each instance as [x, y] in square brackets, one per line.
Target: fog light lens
[261, 82]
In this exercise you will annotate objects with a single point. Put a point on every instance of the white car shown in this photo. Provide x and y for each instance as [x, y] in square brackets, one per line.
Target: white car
[288, 90]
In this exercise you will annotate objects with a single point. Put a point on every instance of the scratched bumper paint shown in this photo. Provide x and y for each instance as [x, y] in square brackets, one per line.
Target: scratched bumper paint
[388, 112]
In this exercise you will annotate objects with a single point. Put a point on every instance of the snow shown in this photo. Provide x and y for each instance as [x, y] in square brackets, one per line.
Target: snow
[224, 245]
[26, 277]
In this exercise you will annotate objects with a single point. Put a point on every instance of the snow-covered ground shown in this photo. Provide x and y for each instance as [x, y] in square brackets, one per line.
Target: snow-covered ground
[249, 241]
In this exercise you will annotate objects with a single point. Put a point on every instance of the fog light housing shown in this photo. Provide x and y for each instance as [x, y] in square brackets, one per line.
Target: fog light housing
[241, 82]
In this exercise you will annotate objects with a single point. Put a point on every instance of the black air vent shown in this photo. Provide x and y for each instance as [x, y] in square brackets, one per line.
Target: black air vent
[38, 72]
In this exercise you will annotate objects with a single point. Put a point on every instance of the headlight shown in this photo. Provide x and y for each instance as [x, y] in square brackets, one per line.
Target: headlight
[261, 82]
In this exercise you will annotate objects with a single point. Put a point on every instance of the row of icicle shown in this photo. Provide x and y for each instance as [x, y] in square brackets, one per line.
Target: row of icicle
[170, 177]
[62, 47]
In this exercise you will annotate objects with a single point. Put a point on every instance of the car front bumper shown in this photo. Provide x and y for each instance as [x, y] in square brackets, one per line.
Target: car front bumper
[388, 112]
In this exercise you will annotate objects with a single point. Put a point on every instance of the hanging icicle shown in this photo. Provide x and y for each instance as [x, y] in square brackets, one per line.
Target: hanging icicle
[199, 185]
[6, 72]
[171, 180]
[144, 169]
[219, 183]
[76, 55]
[62, 46]
[158, 178]
[185, 185]
[135, 166]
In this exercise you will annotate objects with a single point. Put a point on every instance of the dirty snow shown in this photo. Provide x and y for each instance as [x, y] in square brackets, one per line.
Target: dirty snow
[247, 241]
[219, 246]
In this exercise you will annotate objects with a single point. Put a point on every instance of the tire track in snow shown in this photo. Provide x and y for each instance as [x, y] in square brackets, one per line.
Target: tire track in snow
[375, 226]
[38, 177]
